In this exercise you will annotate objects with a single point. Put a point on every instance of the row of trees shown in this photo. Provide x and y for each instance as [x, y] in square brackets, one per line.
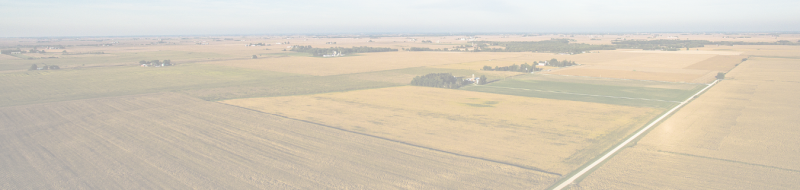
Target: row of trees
[667, 45]
[442, 80]
[531, 68]
[45, 67]
[516, 68]
[8, 51]
[319, 52]
[420, 49]
[156, 62]
[34, 50]
[554, 46]
[556, 63]
[674, 45]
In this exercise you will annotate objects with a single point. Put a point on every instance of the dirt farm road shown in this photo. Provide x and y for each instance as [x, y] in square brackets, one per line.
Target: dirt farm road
[570, 179]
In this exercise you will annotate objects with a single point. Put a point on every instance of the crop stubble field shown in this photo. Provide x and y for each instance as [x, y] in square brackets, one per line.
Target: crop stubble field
[741, 134]
[176, 141]
[551, 135]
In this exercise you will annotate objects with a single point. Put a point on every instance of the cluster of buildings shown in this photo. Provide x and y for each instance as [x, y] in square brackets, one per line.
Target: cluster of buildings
[334, 54]
[474, 79]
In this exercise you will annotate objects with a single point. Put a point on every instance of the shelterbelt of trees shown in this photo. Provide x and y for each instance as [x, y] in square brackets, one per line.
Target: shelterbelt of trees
[516, 68]
[530, 68]
[443, 80]
[564, 45]
[319, 52]
[674, 45]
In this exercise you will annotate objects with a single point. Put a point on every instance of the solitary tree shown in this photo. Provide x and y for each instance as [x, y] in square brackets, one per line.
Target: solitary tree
[482, 80]
[33, 67]
[254, 56]
[720, 75]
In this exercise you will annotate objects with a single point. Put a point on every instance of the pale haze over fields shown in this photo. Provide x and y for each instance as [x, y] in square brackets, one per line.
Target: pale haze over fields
[208, 17]
[435, 94]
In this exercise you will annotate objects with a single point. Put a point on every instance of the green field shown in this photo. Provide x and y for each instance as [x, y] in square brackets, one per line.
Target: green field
[203, 81]
[630, 93]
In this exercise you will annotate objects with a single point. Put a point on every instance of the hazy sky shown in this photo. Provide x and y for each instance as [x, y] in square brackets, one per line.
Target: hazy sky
[202, 17]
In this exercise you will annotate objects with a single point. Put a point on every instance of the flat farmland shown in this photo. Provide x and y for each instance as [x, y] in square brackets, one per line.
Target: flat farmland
[772, 51]
[117, 58]
[638, 168]
[404, 76]
[648, 65]
[4, 57]
[721, 63]
[600, 90]
[208, 82]
[652, 74]
[544, 134]
[678, 66]
[619, 58]
[364, 62]
[741, 133]
[173, 141]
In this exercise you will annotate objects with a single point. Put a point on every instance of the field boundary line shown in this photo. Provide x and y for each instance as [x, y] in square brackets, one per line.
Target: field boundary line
[402, 142]
[622, 79]
[621, 97]
[726, 160]
[607, 155]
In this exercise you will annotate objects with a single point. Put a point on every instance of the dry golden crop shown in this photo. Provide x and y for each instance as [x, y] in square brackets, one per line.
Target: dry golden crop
[720, 63]
[552, 135]
[740, 134]
[639, 168]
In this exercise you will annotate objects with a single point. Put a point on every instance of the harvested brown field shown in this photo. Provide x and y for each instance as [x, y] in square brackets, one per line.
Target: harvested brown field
[551, 135]
[741, 134]
[365, 62]
[721, 63]
[171, 141]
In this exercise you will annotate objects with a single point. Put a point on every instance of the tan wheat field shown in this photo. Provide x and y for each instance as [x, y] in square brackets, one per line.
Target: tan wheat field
[541, 133]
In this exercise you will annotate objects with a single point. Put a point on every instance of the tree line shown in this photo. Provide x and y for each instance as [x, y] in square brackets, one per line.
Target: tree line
[319, 52]
[530, 68]
[556, 63]
[564, 45]
[675, 45]
[443, 80]
[516, 68]
[553, 46]
[156, 62]
[45, 67]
